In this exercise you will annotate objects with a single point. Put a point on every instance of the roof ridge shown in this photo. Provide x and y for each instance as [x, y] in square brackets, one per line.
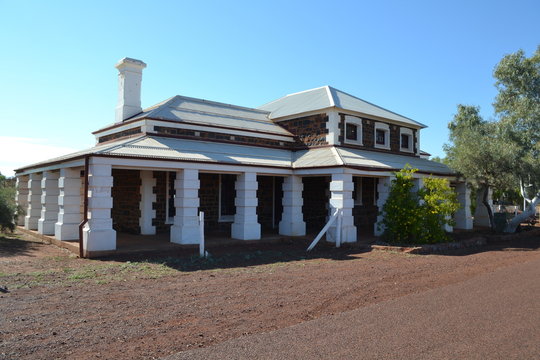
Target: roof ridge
[222, 103]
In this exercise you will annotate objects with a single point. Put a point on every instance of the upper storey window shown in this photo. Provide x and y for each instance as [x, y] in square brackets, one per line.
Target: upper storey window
[353, 130]
[382, 136]
[406, 139]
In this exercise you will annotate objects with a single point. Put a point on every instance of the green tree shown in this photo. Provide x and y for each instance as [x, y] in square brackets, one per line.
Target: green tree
[9, 211]
[479, 153]
[518, 106]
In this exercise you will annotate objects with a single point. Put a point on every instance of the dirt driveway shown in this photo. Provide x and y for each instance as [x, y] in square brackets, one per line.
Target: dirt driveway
[59, 306]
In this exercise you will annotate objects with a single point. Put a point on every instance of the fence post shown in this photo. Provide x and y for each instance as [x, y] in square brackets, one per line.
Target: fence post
[338, 229]
[202, 252]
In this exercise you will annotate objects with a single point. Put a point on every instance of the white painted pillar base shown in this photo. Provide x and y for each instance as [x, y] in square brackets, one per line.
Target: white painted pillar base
[341, 189]
[148, 198]
[49, 202]
[463, 216]
[98, 234]
[21, 196]
[33, 212]
[481, 216]
[69, 205]
[383, 190]
[292, 220]
[185, 229]
[245, 226]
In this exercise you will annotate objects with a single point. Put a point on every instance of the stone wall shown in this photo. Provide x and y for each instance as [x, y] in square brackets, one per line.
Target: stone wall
[220, 136]
[365, 215]
[269, 206]
[308, 131]
[315, 208]
[126, 199]
[160, 205]
[120, 134]
[368, 136]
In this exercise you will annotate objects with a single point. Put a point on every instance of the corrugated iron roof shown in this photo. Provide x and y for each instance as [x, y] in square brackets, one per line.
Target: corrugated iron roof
[327, 97]
[381, 160]
[155, 147]
[204, 112]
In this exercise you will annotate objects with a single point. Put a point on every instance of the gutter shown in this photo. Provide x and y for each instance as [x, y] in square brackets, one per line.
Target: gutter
[85, 211]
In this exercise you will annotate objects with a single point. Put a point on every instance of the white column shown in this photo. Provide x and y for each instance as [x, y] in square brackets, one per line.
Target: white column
[21, 196]
[383, 190]
[185, 229]
[69, 205]
[49, 202]
[148, 198]
[418, 184]
[98, 234]
[292, 220]
[33, 213]
[463, 216]
[341, 189]
[245, 226]
[481, 216]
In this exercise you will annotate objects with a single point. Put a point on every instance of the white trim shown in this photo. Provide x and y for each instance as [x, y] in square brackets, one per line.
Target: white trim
[409, 133]
[332, 125]
[359, 130]
[386, 128]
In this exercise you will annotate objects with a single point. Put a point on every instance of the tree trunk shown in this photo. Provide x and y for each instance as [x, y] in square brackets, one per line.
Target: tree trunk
[530, 211]
[488, 207]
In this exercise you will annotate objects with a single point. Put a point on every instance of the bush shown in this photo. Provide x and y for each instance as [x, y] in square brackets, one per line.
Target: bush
[417, 217]
[9, 211]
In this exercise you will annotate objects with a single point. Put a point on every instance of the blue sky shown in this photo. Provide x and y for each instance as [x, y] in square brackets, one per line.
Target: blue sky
[418, 58]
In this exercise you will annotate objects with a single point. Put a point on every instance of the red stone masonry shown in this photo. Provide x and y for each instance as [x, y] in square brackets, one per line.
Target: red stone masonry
[220, 136]
[126, 194]
[309, 131]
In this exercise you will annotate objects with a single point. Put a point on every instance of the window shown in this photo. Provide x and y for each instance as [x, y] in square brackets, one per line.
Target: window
[353, 130]
[227, 194]
[406, 139]
[382, 136]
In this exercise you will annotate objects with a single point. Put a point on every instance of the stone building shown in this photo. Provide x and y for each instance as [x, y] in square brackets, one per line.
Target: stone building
[281, 168]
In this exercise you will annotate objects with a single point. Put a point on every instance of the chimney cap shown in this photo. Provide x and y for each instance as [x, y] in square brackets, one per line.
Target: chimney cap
[130, 63]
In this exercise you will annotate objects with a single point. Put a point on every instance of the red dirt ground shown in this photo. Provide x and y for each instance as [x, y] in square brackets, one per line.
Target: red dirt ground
[60, 306]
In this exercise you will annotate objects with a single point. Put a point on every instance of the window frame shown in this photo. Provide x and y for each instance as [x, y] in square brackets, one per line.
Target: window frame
[353, 120]
[386, 128]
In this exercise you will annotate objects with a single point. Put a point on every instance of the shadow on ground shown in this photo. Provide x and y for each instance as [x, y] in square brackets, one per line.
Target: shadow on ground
[245, 255]
[11, 245]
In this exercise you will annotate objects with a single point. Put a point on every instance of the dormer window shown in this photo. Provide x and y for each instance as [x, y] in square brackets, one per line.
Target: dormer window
[406, 139]
[353, 130]
[382, 136]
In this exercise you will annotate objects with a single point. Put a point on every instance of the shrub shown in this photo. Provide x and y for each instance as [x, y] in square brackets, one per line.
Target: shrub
[417, 217]
[9, 211]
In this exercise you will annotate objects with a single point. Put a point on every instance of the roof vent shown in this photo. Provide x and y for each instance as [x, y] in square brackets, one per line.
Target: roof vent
[129, 88]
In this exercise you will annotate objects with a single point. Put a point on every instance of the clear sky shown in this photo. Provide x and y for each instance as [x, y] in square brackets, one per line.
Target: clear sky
[418, 58]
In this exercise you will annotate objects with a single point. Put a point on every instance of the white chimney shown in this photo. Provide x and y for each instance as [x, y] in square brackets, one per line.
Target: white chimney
[129, 88]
